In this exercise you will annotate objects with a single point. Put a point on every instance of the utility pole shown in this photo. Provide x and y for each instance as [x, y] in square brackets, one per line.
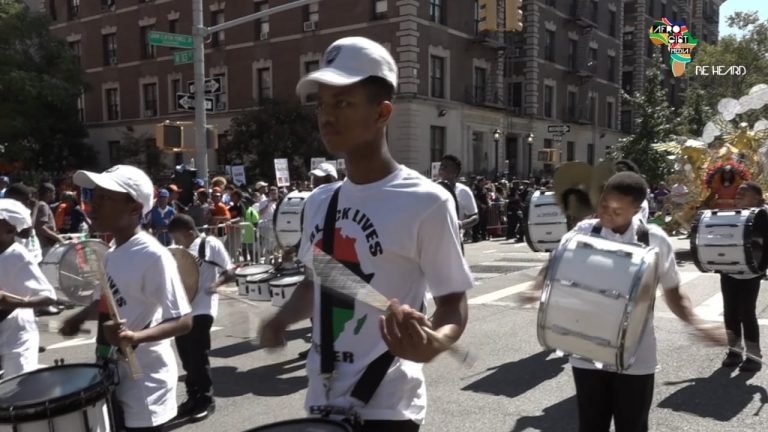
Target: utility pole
[199, 33]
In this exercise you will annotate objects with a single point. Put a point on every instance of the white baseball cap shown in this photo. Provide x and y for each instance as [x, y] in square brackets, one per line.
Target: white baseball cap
[121, 178]
[350, 60]
[325, 169]
[16, 213]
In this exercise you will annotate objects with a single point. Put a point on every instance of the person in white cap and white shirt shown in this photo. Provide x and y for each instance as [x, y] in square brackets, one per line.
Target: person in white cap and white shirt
[147, 288]
[325, 173]
[22, 287]
[395, 230]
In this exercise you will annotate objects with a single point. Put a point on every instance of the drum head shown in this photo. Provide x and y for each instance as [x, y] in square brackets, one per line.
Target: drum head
[304, 425]
[756, 239]
[253, 270]
[188, 270]
[52, 392]
[73, 268]
[286, 221]
[287, 280]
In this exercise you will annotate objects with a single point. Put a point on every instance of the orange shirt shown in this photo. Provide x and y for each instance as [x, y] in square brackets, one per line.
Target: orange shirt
[219, 212]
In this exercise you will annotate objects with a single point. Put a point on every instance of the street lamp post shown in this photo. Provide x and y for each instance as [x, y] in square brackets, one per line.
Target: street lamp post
[496, 138]
[530, 155]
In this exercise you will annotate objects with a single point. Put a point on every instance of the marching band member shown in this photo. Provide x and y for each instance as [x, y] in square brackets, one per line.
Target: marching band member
[325, 173]
[22, 287]
[627, 165]
[450, 169]
[626, 396]
[393, 228]
[145, 282]
[740, 293]
[215, 271]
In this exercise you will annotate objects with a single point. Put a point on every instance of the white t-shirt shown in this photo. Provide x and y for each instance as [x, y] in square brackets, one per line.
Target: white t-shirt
[268, 206]
[401, 232]
[21, 276]
[466, 199]
[145, 282]
[206, 303]
[645, 361]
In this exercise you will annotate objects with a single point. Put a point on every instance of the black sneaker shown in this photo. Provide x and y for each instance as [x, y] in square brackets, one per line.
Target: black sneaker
[186, 408]
[202, 410]
[750, 365]
[732, 359]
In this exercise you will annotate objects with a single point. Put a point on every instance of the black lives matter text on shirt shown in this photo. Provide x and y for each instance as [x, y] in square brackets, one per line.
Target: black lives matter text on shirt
[363, 221]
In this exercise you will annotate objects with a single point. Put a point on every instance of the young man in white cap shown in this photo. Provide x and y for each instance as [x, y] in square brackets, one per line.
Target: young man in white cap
[152, 304]
[325, 173]
[22, 287]
[395, 230]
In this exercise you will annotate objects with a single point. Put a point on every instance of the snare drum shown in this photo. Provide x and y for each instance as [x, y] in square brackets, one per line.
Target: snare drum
[730, 241]
[287, 219]
[69, 398]
[258, 286]
[282, 288]
[242, 274]
[546, 222]
[305, 425]
[597, 300]
[72, 268]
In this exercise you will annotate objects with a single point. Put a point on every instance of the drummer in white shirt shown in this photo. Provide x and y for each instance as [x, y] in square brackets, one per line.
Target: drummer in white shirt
[625, 397]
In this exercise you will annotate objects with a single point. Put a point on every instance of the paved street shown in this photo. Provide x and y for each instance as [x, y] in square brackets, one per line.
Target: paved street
[514, 386]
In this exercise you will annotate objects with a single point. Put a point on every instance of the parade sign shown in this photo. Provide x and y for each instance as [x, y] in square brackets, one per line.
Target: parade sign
[282, 176]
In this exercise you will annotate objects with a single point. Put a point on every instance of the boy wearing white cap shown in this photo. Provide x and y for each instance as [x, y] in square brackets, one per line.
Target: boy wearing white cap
[393, 228]
[151, 301]
[325, 173]
[22, 287]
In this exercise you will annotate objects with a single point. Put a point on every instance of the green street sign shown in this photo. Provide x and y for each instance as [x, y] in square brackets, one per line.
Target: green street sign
[183, 57]
[171, 40]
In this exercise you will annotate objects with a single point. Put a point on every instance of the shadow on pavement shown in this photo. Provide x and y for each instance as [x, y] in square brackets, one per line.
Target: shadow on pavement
[560, 417]
[518, 377]
[249, 346]
[268, 380]
[718, 396]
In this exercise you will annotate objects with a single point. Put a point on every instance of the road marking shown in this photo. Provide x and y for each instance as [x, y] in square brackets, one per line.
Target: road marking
[479, 276]
[499, 294]
[489, 251]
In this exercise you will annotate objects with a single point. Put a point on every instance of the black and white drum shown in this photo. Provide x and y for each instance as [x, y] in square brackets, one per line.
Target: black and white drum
[546, 222]
[242, 274]
[305, 425]
[597, 299]
[287, 219]
[730, 241]
[69, 398]
[282, 288]
[258, 286]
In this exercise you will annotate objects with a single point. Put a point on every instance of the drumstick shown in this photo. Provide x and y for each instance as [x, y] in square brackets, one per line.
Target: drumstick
[340, 279]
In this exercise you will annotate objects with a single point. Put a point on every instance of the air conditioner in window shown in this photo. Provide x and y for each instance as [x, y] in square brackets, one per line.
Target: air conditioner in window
[264, 36]
[221, 106]
[149, 113]
[113, 60]
[310, 26]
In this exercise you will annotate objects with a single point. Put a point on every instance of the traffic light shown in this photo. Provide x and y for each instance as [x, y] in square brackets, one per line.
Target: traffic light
[488, 11]
[513, 15]
[169, 136]
[549, 156]
[211, 138]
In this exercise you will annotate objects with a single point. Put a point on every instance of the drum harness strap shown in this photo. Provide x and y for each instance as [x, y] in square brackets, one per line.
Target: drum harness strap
[641, 233]
[374, 374]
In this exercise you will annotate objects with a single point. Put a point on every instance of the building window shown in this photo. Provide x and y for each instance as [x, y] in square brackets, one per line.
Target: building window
[175, 88]
[570, 150]
[626, 121]
[612, 23]
[573, 49]
[609, 114]
[549, 96]
[52, 10]
[217, 17]
[81, 108]
[437, 77]
[612, 68]
[264, 84]
[73, 9]
[173, 25]
[220, 100]
[547, 143]
[626, 82]
[593, 54]
[592, 108]
[109, 43]
[312, 12]
[476, 20]
[112, 101]
[74, 46]
[436, 143]
[549, 46]
[437, 11]
[147, 49]
[379, 8]
[311, 66]
[591, 154]
[114, 152]
[150, 99]
[480, 84]
[628, 41]
[262, 25]
[515, 94]
[571, 105]
[595, 12]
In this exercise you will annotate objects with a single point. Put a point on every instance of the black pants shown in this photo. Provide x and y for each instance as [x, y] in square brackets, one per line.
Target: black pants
[193, 350]
[739, 308]
[512, 222]
[604, 395]
[390, 426]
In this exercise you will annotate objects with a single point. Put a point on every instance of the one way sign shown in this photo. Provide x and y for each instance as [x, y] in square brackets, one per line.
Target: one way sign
[186, 101]
[212, 86]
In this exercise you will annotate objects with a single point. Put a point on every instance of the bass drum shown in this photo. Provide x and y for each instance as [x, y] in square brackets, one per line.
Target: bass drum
[73, 269]
[730, 241]
[305, 425]
[287, 219]
[546, 222]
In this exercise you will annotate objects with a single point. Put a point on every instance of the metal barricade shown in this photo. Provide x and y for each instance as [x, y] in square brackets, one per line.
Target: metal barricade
[241, 239]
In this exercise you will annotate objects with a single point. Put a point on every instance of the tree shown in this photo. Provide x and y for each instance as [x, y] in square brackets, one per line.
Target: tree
[651, 114]
[694, 114]
[749, 50]
[278, 129]
[40, 83]
[142, 152]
